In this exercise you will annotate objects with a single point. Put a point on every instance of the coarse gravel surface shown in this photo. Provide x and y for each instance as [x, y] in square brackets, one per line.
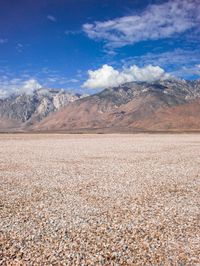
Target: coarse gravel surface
[100, 199]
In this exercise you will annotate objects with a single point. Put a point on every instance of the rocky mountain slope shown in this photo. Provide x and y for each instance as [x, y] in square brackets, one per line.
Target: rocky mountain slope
[159, 105]
[24, 110]
[181, 117]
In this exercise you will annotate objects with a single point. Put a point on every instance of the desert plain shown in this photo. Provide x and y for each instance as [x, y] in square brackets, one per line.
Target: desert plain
[115, 199]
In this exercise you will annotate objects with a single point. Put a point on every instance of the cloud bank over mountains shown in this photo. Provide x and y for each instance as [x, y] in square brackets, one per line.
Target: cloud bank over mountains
[101, 78]
[17, 86]
[29, 86]
[155, 22]
[107, 76]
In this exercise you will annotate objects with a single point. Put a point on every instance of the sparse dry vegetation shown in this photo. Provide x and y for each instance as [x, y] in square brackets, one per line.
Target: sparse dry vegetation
[99, 199]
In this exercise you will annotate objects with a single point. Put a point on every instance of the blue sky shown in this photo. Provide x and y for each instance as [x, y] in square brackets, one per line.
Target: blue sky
[55, 43]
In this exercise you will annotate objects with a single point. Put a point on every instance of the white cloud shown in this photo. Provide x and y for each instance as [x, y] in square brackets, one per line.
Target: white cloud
[190, 71]
[17, 86]
[175, 61]
[155, 22]
[51, 18]
[29, 86]
[107, 76]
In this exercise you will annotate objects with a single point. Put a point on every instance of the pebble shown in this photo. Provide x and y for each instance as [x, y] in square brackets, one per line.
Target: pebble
[99, 199]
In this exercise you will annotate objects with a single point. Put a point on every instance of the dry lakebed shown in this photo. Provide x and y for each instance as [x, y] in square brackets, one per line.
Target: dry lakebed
[116, 199]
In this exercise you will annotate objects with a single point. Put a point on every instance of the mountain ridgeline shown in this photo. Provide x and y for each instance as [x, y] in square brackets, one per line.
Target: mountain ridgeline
[135, 106]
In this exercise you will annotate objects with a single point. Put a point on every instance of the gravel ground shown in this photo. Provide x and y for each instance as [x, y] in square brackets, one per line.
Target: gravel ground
[100, 199]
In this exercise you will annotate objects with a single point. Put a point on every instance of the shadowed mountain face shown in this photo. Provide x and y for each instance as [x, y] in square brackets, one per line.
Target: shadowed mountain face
[161, 105]
[131, 106]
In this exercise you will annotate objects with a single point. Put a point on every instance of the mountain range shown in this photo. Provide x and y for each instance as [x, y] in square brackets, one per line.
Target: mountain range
[20, 111]
[136, 106]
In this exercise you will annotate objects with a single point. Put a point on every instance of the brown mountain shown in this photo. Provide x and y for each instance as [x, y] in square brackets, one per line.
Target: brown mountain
[160, 105]
[181, 117]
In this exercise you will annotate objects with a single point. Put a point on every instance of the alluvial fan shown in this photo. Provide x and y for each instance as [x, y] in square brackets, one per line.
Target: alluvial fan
[99, 199]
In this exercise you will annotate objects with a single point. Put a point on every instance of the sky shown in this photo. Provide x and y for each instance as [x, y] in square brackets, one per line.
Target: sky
[87, 45]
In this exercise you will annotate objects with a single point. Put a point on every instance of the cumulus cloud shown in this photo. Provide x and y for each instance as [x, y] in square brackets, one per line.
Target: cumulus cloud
[107, 76]
[51, 18]
[17, 86]
[179, 62]
[29, 86]
[155, 22]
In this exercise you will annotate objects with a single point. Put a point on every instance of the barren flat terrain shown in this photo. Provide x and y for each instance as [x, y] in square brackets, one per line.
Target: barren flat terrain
[99, 199]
